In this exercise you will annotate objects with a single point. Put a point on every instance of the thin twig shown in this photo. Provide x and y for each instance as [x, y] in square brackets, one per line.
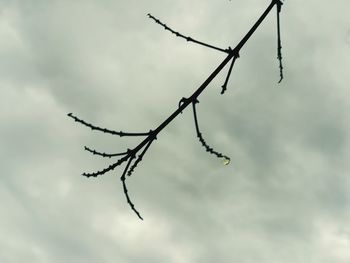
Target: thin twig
[93, 127]
[200, 137]
[122, 178]
[189, 39]
[109, 168]
[279, 45]
[94, 152]
[139, 159]
[224, 86]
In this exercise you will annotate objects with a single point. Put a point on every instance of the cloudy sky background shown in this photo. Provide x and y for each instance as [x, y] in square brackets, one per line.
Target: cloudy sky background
[285, 197]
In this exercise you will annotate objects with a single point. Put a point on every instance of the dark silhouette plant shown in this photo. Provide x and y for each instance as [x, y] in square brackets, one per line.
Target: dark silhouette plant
[130, 155]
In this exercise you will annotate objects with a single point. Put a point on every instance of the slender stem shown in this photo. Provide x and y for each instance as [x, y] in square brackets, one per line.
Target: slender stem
[189, 39]
[201, 139]
[109, 168]
[123, 179]
[94, 152]
[224, 86]
[139, 159]
[93, 127]
[279, 45]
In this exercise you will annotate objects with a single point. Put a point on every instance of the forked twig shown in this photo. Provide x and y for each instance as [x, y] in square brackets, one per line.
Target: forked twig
[143, 146]
[139, 159]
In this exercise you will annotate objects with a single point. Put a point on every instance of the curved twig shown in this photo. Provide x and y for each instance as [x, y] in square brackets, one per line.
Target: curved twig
[93, 127]
[201, 139]
[109, 168]
[94, 152]
[123, 179]
[189, 39]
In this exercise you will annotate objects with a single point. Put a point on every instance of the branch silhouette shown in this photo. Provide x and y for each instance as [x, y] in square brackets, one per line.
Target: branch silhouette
[150, 136]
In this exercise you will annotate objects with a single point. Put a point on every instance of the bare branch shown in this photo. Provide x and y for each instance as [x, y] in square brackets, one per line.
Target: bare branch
[201, 139]
[93, 127]
[143, 146]
[189, 39]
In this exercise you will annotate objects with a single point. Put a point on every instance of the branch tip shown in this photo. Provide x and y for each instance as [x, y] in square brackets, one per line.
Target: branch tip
[201, 139]
[122, 178]
[224, 86]
[104, 130]
[279, 45]
[187, 38]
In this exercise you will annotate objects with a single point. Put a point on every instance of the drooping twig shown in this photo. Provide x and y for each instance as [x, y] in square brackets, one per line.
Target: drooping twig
[279, 45]
[189, 39]
[93, 127]
[150, 136]
[200, 137]
[123, 179]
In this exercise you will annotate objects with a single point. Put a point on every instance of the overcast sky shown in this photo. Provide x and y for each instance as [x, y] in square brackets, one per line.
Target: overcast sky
[285, 197]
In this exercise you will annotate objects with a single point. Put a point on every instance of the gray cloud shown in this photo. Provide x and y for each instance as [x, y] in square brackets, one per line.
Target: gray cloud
[283, 198]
